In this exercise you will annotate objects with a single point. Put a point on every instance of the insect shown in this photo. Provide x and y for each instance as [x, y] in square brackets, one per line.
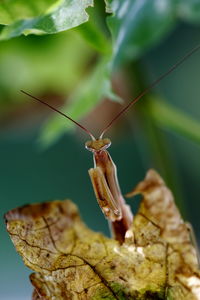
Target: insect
[104, 174]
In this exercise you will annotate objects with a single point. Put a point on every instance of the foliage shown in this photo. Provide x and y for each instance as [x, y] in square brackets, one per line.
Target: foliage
[94, 88]
[166, 116]
[156, 260]
[15, 10]
[71, 50]
[128, 30]
[62, 15]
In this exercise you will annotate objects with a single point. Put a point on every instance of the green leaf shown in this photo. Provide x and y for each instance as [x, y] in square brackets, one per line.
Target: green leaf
[84, 99]
[15, 10]
[93, 35]
[108, 6]
[94, 32]
[69, 14]
[169, 117]
[49, 65]
[138, 24]
[189, 10]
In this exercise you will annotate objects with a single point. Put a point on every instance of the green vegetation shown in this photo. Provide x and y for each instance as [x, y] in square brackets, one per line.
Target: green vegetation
[117, 34]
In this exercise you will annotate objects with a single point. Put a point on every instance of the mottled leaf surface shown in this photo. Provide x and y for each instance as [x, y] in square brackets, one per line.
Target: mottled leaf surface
[182, 270]
[156, 261]
[68, 14]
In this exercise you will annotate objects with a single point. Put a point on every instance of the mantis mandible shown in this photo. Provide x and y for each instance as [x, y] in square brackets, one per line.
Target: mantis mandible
[104, 174]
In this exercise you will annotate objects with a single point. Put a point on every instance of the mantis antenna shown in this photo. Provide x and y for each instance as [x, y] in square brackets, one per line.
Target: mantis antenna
[136, 99]
[61, 113]
[145, 91]
[104, 174]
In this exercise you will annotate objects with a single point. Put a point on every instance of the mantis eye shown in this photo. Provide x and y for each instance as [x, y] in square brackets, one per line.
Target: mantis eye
[107, 142]
[88, 145]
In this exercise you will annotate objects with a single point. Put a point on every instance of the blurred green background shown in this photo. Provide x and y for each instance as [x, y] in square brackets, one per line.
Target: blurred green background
[79, 62]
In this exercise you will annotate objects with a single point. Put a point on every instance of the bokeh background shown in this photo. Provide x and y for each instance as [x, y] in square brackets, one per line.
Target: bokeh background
[43, 156]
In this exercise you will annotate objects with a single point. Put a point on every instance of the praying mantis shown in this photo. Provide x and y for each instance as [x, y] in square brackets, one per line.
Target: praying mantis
[104, 174]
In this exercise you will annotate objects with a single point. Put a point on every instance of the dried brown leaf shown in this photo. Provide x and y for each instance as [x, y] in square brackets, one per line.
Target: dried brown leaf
[157, 206]
[156, 261]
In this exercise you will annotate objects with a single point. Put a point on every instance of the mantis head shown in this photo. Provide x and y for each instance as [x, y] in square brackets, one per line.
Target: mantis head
[98, 145]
